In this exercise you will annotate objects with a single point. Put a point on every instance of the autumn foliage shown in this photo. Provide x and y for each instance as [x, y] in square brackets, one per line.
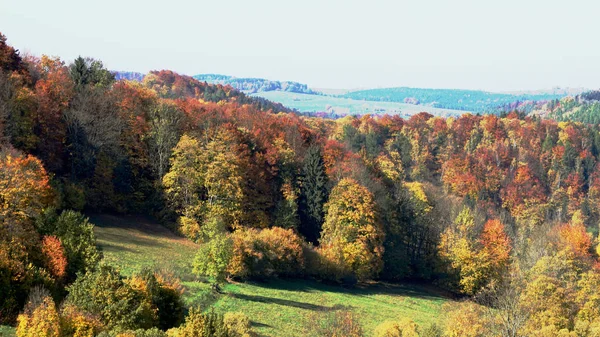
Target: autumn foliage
[55, 254]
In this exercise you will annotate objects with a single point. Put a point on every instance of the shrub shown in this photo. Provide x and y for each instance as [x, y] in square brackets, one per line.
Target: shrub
[266, 253]
[106, 294]
[432, 330]
[40, 318]
[402, 328]
[75, 323]
[77, 237]
[198, 324]
[213, 257]
[338, 324]
[163, 291]
[466, 319]
[237, 324]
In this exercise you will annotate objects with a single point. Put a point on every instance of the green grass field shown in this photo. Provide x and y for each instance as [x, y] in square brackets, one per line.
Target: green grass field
[318, 103]
[133, 242]
[276, 308]
[7, 331]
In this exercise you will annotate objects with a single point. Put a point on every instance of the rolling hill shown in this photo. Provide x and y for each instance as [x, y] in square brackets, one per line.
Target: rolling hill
[467, 100]
[332, 106]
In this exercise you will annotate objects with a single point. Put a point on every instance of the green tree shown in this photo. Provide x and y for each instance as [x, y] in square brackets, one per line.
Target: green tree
[77, 236]
[313, 194]
[87, 71]
[105, 293]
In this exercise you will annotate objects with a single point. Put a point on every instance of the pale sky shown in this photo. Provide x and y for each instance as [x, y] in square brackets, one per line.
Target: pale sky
[484, 44]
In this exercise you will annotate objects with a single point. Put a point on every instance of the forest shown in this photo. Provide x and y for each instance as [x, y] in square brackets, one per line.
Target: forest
[467, 100]
[501, 212]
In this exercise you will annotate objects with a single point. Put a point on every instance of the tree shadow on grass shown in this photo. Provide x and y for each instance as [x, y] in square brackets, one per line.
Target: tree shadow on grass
[256, 324]
[289, 303]
[108, 247]
[413, 290]
[130, 238]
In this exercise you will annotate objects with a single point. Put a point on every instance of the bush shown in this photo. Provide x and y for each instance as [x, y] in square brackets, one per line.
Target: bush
[466, 319]
[40, 318]
[74, 322]
[164, 292]
[266, 253]
[198, 324]
[77, 237]
[237, 324]
[338, 323]
[213, 258]
[402, 328]
[118, 305]
[432, 330]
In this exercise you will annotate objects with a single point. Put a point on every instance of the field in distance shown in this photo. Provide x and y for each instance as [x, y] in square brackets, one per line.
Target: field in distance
[347, 106]
[276, 308]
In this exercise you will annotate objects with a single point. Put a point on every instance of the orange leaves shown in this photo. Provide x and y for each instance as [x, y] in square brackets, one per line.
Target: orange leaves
[523, 192]
[54, 253]
[24, 186]
[575, 237]
[54, 92]
[457, 175]
[495, 242]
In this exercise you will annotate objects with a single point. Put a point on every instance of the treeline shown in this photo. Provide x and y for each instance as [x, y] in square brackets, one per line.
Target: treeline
[466, 100]
[254, 85]
[500, 209]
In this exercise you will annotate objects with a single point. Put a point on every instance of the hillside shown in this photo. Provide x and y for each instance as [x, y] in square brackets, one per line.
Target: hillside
[253, 85]
[468, 100]
[276, 308]
[583, 108]
[332, 106]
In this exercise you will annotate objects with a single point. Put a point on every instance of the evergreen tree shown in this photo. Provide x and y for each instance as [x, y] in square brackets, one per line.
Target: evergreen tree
[314, 194]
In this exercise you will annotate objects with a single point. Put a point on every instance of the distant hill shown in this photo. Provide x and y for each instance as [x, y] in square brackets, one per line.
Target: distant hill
[334, 107]
[128, 75]
[467, 100]
[254, 85]
[581, 108]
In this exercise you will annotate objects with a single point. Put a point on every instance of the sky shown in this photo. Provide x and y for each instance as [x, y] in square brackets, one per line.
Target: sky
[488, 45]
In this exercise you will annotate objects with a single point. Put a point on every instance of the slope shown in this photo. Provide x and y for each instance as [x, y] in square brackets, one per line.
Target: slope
[276, 308]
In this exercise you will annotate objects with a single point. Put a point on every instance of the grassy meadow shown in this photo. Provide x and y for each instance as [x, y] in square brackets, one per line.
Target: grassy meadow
[7, 331]
[340, 105]
[276, 308]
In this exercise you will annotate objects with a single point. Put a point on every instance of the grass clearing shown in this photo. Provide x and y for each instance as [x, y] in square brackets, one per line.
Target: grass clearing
[7, 331]
[276, 308]
[131, 243]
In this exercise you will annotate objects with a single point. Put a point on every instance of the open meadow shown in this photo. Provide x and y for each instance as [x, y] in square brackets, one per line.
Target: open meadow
[276, 308]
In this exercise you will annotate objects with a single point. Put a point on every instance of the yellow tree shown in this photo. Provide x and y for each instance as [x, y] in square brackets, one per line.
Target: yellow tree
[352, 231]
[39, 319]
[478, 260]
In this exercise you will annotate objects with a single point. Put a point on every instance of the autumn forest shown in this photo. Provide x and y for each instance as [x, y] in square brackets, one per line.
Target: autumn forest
[497, 211]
